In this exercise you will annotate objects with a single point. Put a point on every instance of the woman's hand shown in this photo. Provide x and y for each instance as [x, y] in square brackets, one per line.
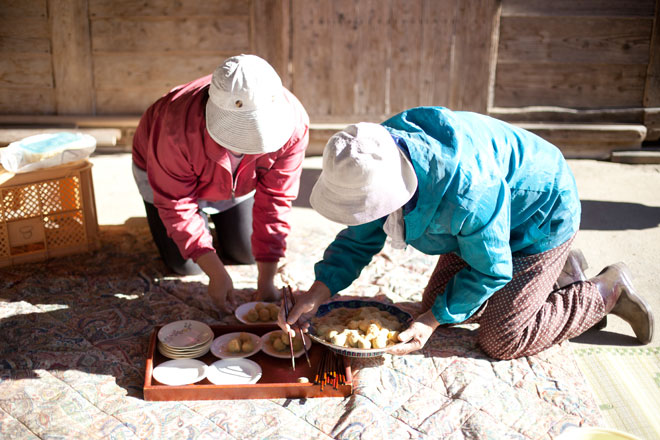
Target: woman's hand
[220, 283]
[306, 302]
[415, 337]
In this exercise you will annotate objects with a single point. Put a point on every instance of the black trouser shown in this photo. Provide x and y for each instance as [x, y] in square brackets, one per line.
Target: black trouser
[233, 233]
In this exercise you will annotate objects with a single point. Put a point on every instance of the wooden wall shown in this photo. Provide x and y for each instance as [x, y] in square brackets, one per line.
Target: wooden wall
[368, 59]
[582, 54]
[347, 60]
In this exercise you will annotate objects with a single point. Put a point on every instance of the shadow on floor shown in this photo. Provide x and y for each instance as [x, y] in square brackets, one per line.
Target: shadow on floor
[606, 338]
[615, 216]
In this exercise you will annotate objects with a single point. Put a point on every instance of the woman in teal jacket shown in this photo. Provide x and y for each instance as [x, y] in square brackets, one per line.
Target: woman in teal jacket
[498, 204]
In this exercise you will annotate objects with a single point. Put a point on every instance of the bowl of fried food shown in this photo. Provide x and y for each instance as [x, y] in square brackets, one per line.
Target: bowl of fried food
[358, 328]
[257, 312]
[235, 345]
[276, 344]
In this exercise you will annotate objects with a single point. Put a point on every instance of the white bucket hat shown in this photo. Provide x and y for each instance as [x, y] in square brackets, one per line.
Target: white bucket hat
[365, 176]
[247, 111]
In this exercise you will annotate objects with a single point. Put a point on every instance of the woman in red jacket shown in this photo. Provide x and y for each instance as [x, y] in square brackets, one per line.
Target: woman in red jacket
[228, 146]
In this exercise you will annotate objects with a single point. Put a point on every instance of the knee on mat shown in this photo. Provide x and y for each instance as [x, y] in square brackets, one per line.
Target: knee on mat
[498, 348]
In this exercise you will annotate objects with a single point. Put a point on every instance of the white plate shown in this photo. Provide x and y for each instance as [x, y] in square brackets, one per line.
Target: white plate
[234, 372]
[269, 350]
[180, 372]
[185, 334]
[219, 346]
[177, 354]
[242, 311]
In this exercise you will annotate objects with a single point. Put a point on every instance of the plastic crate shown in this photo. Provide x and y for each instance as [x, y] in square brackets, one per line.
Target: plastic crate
[47, 213]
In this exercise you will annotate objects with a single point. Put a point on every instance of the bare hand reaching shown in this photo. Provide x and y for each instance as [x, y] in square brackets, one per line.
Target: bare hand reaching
[416, 336]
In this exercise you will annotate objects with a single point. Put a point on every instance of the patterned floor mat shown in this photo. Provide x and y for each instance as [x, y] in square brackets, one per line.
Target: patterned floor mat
[74, 334]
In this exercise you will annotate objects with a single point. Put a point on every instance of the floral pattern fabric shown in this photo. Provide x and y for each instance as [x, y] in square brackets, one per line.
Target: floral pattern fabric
[74, 334]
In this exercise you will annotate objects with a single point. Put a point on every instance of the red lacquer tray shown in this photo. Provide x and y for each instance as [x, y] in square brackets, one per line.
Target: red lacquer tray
[278, 380]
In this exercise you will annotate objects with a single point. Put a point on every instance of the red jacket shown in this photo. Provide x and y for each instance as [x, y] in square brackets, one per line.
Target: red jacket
[184, 164]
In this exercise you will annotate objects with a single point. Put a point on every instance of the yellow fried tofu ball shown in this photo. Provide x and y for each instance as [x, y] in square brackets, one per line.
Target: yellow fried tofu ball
[279, 345]
[352, 338]
[297, 344]
[274, 311]
[247, 346]
[252, 315]
[259, 306]
[372, 331]
[244, 337]
[234, 346]
[332, 333]
[363, 325]
[380, 341]
[264, 314]
[338, 339]
[363, 343]
[285, 338]
[393, 335]
[353, 324]
[377, 322]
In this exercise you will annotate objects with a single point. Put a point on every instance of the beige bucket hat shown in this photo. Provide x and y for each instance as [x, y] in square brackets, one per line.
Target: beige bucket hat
[365, 176]
[247, 110]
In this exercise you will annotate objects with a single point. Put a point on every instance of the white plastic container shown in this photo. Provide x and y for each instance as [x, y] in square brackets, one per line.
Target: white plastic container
[46, 150]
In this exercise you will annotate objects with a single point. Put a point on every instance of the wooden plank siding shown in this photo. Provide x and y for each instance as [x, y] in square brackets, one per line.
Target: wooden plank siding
[573, 54]
[579, 8]
[568, 61]
[270, 36]
[71, 57]
[652, 87]
[143, 49]
[579, 54]
[374, 58]
[26, 71]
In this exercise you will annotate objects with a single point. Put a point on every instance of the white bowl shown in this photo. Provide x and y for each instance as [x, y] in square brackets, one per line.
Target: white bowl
[219, 346]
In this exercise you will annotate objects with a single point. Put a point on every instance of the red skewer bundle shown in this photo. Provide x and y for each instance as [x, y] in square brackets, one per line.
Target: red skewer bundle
[331, 371]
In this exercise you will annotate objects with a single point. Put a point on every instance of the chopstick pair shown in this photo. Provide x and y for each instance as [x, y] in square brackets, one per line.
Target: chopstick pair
[287, 291]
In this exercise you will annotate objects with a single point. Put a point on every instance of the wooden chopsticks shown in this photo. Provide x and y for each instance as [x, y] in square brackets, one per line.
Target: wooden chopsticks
[286, 316]
[287, 291]
[331, 371]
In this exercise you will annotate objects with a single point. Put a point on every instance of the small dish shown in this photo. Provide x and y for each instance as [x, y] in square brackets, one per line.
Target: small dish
[267, 347]
[242, 311]
[185, 334]
[220, 349]
[180, 372]
[234, 372]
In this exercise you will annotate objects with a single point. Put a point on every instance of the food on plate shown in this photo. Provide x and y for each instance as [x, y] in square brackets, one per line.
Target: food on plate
[364, 327]
[263, 312]
[279, 341]
[241, 344]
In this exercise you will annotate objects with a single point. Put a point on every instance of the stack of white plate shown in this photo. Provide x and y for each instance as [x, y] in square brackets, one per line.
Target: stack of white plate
[184, 339]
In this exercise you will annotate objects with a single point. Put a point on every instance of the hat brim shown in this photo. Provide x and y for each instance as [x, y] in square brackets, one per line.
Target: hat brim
[264, 130]
[368, 203]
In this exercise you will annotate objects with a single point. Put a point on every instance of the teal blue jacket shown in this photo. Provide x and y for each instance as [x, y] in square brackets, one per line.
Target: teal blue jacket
[486, 190]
